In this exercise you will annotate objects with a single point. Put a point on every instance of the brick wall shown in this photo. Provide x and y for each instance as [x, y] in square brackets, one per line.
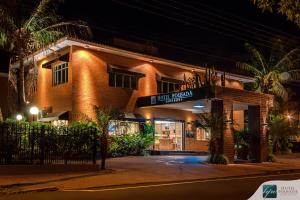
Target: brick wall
[59, 97]
[264, 101]
[191, 144]
[88, 86]
[90, 80]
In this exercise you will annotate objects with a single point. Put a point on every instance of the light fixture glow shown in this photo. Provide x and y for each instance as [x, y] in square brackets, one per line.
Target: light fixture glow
[289, 116]
[34, 110]
[19, 117]
[199, 106]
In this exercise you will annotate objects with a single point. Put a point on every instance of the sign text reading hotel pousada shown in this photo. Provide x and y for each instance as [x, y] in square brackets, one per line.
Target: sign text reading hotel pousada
[172, 97]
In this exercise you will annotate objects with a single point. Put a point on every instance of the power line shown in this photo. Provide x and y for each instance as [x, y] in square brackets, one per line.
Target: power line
[261, 32]
[229, 31]
[185, 22]
[246, 20]
[166, 43]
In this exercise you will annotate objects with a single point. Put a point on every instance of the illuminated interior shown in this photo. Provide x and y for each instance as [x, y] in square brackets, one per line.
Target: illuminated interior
[117, 127]
[202, 135]
[168, 135]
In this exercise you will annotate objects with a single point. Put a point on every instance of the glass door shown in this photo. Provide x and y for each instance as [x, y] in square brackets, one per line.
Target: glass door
[168, 135]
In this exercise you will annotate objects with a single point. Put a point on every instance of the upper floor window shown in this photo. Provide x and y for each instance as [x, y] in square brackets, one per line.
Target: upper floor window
[60, 74]
[123, 79]
[166, 85]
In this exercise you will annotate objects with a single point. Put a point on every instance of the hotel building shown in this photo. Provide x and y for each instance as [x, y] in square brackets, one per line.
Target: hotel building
[74, 75]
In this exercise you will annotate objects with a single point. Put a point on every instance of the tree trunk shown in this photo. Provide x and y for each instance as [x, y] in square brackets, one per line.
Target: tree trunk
[21, 87]
[103, 147]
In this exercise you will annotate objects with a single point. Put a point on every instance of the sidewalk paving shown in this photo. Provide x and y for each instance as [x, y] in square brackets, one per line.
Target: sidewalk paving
[130, 171]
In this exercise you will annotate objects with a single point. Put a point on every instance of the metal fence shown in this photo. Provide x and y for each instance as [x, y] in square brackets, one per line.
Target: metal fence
[45, 144]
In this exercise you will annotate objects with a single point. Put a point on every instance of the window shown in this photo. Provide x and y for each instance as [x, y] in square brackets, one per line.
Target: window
[118, 127]
[60, 74]
[123, 79]
[166, 85]
[201, 134]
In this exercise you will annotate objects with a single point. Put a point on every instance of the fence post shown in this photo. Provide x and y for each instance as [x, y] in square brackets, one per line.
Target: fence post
[31, 143]
[42, 145]
[94, 145]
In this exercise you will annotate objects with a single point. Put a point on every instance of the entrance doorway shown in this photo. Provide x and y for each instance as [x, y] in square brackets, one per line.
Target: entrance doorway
[168, 135]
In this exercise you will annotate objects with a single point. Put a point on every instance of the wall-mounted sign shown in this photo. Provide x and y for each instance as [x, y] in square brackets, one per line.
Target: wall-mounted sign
[171, 97]
[175, 97]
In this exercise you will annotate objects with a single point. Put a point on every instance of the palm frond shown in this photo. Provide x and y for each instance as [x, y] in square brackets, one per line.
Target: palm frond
[273, 75]
[279, 90]
[47, 20]
[41, 39]
[53, 32]
[7, 27]
[257, 58]
[250, 68]
[39, 12]
[287, 62]
[69, 28]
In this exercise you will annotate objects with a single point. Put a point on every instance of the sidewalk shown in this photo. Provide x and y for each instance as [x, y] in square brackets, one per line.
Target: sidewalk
[131, 170]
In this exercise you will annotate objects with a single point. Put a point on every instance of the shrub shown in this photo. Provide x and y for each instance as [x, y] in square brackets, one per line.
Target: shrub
[280, 131]
[271, 158]
[241, 140]
[78, 141]
[218, 159]
[129, 144]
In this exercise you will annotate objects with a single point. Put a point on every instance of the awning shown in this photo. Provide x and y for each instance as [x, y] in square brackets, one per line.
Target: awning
[64, 58]
[133, 117]
[55, 116]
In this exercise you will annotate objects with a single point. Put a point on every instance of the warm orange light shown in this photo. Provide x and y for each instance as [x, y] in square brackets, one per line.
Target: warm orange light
[148, 115]
[83, 54]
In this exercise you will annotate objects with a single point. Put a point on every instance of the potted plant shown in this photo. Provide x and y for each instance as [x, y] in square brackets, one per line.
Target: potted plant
[241, 144]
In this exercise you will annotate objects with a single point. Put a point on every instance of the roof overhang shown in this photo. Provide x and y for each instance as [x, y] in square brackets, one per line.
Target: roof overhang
[55, 116]
[68, 42]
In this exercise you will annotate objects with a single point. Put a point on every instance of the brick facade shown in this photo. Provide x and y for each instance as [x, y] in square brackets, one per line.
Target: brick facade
[88, 86]
[258, 105]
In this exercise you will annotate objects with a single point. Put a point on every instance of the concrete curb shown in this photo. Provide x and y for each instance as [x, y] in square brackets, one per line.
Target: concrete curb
[52, 189]
[45, 189]
[15, 185]
[277, 172]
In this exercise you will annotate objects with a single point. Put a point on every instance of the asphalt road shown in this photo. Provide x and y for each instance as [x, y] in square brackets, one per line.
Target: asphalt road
[234, 188]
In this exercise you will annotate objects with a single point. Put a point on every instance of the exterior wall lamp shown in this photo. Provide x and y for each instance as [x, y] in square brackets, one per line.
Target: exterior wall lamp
[34, 111]
[19, 117]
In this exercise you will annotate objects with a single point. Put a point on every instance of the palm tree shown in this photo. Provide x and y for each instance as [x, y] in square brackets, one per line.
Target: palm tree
[21, 37]
[103, 116]
[280, 130]
[270, 74]
[215, 125]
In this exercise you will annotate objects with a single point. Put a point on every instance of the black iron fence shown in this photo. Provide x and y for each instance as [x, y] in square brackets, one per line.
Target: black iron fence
[22, 143]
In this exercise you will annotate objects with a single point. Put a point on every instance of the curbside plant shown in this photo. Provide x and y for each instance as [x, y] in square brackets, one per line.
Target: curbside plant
[132, 144]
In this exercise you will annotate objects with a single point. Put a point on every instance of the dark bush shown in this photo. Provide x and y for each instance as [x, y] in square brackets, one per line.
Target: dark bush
[218, 159]
[132, 144]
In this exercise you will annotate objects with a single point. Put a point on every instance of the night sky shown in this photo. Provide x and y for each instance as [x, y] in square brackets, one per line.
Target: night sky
[210, 32]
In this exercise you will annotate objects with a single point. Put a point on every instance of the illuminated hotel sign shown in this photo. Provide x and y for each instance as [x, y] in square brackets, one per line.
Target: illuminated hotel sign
[172, 97]
[175, 97]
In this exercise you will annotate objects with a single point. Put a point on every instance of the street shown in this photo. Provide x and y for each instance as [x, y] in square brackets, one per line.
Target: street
[227, 188]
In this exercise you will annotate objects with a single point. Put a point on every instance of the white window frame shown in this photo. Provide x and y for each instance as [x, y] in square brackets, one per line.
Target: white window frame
[60, 68]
